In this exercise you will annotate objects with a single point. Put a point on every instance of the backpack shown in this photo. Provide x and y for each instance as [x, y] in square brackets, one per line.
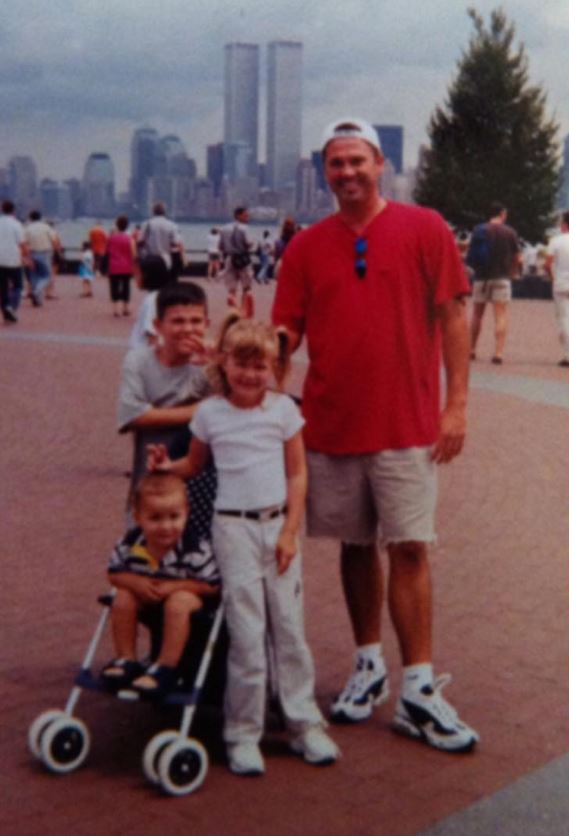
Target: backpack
[478, 256]
[240, 257]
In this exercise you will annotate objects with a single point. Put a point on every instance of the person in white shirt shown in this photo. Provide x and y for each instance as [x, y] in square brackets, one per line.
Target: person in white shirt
[256, 440]
[159, 240]
[42, 241]
[213, 252]
[13, 252]
[557, 265]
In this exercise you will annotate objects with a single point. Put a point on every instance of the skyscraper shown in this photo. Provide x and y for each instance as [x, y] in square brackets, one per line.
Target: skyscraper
[284, 112]
[241, 99]
[99, 186]
[391, 141]
[144, 152]
[22, 181]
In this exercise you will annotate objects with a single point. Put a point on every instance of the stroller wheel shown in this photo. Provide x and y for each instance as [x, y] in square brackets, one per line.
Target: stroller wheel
[64, 744]
[152, 752]
[38, 727]
[182, 766]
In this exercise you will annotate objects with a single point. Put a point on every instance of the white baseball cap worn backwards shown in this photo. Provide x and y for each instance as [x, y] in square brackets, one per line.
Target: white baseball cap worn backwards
[351, 128]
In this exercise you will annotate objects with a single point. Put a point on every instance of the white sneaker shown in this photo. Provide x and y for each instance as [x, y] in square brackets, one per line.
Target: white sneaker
[365, 689]
[429, 717]
[315, 747]
[245, 759]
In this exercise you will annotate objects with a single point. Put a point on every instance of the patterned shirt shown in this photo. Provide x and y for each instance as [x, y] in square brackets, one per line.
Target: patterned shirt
[190, 559]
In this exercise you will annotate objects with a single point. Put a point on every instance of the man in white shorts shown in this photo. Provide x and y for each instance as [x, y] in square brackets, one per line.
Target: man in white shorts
[499, 259]
[557, 265]
[376, 288]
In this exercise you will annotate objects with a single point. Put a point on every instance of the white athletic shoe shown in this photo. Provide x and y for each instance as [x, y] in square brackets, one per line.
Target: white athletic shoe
[245, 759]
[315, 747]
[365, 689]
[429, 717]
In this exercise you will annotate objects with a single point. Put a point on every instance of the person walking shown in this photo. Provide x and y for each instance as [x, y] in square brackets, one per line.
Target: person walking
[494, 255]
[121, 251]
[42, 242]
[265, 257]
[159, 238]
[236, 246]
[13, 252]
[213, 254]
[376, 289]
[557, 266]
[98, 240]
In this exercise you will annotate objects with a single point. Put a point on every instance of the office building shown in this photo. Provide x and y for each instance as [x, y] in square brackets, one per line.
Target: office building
[241, 100]
[391, 141]
[22, 183]
[284, 112]
[99, 186]
[144, 153]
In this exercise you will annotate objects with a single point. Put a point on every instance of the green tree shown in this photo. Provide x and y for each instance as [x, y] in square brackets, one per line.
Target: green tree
[492, 139]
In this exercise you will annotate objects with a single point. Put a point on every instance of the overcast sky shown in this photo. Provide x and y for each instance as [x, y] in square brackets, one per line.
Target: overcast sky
[78, 76]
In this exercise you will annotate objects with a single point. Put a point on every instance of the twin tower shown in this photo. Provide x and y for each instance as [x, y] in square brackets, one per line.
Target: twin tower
[284, 109]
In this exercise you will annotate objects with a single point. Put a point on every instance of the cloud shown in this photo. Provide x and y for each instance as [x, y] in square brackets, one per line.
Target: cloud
[85, 74]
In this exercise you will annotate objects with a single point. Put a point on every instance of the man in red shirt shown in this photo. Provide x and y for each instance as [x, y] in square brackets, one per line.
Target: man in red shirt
[378, 289]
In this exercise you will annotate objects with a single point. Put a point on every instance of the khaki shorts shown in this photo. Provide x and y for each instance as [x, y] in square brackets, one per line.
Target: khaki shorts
[388, 496]
[491, 290]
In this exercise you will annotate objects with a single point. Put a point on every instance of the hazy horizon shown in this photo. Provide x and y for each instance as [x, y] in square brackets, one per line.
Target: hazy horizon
[80, 78]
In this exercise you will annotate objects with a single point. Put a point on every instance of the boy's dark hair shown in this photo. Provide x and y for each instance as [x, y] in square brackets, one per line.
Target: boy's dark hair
[122, 222]
[35, 215]
[187, 293]
[496, 208]
[7, 207]
[239, 211]
[157, 484]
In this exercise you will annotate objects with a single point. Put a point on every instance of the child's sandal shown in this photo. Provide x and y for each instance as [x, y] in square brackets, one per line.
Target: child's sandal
[164, 681]
[120, 672]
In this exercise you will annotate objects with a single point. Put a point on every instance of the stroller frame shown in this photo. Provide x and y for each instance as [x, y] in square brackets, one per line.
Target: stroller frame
[172, 761]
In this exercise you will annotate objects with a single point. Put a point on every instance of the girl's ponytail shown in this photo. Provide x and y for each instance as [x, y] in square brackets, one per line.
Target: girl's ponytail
[230, 320]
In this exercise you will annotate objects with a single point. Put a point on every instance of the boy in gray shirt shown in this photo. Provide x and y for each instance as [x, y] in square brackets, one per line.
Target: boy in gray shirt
[162, 384]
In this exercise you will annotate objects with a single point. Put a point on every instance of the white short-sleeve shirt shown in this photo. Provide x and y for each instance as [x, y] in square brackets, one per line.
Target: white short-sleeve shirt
[559, 249]
[248, 448]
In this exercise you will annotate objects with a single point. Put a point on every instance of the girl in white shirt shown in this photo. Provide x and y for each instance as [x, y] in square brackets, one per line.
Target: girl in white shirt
[255, 437]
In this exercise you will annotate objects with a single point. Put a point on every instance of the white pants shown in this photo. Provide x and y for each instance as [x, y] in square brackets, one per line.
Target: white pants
[561, 299]
[258, 600]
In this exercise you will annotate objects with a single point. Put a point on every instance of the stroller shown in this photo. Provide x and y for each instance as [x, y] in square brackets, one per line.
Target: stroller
[173, 761]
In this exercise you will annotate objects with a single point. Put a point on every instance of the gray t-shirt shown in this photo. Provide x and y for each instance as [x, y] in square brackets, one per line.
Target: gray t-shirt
[158, 236]
[147, 383]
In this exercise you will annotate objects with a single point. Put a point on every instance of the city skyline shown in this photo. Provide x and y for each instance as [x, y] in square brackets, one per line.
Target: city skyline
[73, 84]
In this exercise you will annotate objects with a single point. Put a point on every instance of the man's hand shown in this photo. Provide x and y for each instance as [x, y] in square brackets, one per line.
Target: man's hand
[286, 550]
[451, 436]
[157, 458]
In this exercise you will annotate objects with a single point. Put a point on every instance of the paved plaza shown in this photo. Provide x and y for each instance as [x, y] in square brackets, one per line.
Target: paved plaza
[501, 614]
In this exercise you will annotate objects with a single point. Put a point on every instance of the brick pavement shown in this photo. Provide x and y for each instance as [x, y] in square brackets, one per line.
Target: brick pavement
[500, 585]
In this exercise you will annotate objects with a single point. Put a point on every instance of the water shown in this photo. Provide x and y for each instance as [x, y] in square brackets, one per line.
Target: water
[194, 235]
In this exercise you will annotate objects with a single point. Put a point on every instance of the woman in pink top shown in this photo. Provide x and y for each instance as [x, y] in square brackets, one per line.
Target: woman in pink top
[121, 252]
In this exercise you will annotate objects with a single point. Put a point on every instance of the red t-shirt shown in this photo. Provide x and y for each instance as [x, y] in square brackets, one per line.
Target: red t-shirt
[373, 343]
[119, 249]
[98, 240]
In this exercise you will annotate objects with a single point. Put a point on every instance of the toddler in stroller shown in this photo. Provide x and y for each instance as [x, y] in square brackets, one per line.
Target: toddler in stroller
[163, 572]
[155, 566]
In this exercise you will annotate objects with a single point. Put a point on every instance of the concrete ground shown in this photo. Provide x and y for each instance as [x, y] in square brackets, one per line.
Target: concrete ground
[500, 576]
